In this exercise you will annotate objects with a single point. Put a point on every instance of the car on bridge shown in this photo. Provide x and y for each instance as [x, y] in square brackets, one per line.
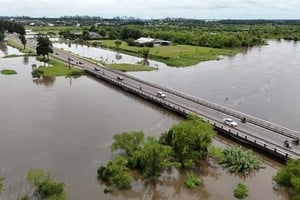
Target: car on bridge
[160, 94]
[120, 78]
[230, 122]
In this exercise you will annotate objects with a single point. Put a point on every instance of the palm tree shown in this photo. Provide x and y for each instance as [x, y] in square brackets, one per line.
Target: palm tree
[118, 43]
[145, 54]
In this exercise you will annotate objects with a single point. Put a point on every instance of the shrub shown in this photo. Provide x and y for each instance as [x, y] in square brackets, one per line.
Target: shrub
[241, 191]
[236, 160]
[37, 73]
[154, 157]
[216, 153]
[1, 184]
[8, 71]
[129, 142]
[289, 176]
[108, 190]
[192, 181]
[188, 164]
[116, 173]
[76, 73]
[189, 139]
[45, 186]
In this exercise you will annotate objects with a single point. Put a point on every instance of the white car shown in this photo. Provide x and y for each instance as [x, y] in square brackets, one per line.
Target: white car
[230, 122]
[161, 95]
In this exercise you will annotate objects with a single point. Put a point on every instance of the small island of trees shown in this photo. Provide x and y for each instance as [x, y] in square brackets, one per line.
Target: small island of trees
[183, 147]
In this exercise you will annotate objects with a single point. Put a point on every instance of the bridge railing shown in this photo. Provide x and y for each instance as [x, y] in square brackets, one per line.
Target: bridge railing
[248, 138]
[251, 119]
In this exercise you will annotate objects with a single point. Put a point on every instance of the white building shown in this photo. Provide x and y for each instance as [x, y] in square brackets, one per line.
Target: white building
[155, 42]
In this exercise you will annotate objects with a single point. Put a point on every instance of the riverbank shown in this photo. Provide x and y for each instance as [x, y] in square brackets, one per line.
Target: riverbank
[20, 47]
[174, 55]
[130, 67]
[58, 68]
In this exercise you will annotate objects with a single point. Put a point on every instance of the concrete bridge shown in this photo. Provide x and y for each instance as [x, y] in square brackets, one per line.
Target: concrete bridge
[256, 132]
[261, 134]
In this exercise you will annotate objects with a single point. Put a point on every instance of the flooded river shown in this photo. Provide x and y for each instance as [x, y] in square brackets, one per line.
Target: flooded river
[66, 125]
[262, 81]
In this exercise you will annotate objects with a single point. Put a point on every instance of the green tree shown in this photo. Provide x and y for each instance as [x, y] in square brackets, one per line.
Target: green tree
[1, 185]
[1, 35]
[44, 46]
[145, 55]
[23, 40]
[128, 141]
[45, 186]
[289, 176]
[154, 157]
[118, 43]
[85, 35]
[241, 191]
[189, 139]
[116, 172]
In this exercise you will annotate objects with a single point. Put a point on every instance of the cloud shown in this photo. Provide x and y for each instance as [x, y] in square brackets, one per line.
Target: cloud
[155, 8]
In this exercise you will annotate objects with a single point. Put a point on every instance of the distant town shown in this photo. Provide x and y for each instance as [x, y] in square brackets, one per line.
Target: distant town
[88, 20]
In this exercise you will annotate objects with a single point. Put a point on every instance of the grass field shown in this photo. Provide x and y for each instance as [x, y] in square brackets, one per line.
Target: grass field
[8, 71]
[130, 67]
[56, 29]
[175, 55]
[20, 47]
[58, 68]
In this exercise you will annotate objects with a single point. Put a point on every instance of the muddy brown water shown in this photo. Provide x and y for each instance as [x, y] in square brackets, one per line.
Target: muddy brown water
[262, 81]
[66, 125]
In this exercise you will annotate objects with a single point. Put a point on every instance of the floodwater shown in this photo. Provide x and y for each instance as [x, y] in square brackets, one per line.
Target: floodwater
[262, 81]
[66, 125]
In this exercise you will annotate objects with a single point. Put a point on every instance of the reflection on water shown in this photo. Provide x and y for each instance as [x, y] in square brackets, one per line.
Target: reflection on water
[3, 48]
[44, 80]
[25, 60]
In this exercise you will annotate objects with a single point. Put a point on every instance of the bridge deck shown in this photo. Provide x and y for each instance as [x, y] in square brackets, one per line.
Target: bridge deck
[262, 134]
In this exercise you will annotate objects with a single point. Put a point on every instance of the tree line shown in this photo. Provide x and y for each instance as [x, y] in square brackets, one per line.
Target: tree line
[214, 35]
[12, 27]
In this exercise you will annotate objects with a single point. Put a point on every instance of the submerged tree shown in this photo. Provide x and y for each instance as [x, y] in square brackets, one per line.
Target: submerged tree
[23, 40]
[147, 155]
[45, 186]
[145, 54]
[44, 46]
[153, 157]
[116, 172]
[189, 139]
[289, 176]
[1, 184]
[241, 191]
[118, 43]
[237, 160]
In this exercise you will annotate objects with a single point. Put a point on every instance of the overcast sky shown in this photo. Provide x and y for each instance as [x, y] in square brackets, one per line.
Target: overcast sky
[201, 9]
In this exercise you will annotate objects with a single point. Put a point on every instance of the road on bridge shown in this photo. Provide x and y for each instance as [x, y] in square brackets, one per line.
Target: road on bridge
[259, 134]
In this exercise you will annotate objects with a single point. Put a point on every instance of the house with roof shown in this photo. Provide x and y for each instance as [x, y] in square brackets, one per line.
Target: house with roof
[147, 41]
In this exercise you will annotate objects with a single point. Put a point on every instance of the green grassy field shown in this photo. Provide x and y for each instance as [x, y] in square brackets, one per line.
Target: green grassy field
[20, 47]
[8, 71]
[130, 67]
[58, 68]
[175, 55]
[56, 29]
